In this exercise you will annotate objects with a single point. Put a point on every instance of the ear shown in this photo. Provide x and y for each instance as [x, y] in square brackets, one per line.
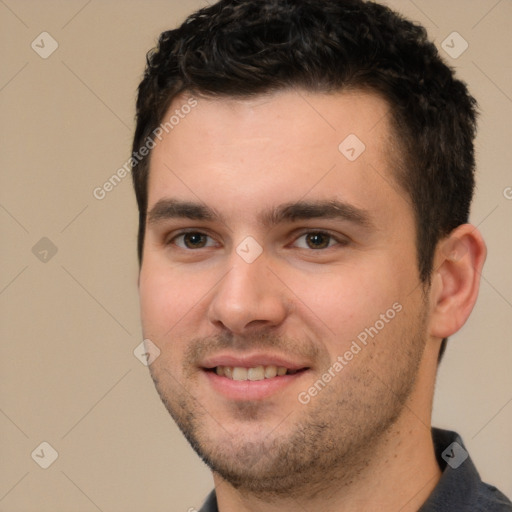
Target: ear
[458, 263]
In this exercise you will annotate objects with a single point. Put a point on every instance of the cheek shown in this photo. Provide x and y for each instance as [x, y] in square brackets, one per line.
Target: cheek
[174, 299]
[165, 308]
[349, 299]
[347, 294]
[155, 305]
[165, 298]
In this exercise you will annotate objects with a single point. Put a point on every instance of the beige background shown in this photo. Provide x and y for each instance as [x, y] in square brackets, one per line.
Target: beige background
[70, 324]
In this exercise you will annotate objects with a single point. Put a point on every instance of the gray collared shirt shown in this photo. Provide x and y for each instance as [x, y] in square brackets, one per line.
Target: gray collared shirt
[460, 488]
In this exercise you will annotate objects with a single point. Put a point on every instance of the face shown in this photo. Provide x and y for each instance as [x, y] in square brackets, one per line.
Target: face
[280, 284]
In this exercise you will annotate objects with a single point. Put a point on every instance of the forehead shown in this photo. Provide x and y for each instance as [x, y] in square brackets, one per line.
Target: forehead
[275, 148]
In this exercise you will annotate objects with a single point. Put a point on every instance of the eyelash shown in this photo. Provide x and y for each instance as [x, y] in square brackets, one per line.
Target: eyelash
[337, 240]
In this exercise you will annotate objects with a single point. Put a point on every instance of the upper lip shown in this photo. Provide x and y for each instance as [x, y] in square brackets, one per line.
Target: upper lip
[251, 361]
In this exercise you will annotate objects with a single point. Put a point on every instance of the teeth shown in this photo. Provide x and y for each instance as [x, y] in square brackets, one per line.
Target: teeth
[270, 371]
[255, 373]
[240, 373]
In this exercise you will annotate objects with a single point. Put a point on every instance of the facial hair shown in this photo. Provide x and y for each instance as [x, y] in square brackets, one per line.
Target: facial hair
[330, 439]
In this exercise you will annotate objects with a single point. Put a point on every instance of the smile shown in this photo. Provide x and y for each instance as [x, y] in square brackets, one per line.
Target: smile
[253, 374]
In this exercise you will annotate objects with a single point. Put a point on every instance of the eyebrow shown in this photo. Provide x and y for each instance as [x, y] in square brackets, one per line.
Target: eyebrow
[166, 209]
[305, 210]
[175, 209]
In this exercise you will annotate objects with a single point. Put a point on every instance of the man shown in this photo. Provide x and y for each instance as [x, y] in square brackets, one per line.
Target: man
[304, 172]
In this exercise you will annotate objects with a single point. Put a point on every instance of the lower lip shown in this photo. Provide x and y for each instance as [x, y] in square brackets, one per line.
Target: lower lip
[251, 389]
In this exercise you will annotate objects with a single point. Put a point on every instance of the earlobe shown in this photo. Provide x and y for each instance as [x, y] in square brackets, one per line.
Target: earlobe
[458, 264]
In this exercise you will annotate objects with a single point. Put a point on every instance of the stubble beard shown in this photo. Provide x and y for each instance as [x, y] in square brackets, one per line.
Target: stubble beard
[330, 440]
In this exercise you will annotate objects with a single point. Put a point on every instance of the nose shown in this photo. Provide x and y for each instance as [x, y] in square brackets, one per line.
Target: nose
[248, 298]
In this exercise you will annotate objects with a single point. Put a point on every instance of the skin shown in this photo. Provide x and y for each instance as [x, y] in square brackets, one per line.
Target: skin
[363, 442]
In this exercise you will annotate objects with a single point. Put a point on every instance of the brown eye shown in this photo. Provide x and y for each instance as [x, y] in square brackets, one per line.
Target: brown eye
[192, 240]
[318, 240]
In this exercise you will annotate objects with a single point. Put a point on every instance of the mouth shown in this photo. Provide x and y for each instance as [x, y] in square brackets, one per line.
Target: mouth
[254, 373]
[255, 377]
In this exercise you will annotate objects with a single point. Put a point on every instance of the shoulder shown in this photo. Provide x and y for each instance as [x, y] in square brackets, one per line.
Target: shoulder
[460, 487]
[491, 499]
